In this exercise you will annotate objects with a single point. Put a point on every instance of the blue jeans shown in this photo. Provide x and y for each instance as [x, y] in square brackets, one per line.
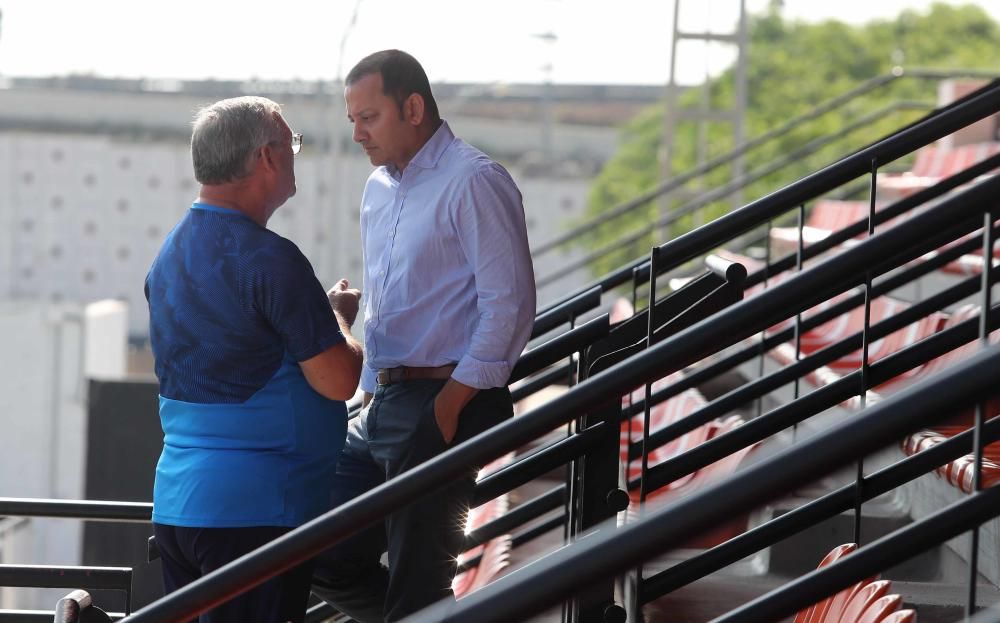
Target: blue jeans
[396, 432]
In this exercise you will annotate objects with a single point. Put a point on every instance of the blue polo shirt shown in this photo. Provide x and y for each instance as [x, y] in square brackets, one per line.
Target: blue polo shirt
[233, 309]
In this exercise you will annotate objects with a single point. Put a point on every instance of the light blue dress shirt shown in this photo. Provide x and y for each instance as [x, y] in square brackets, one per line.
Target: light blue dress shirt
[447, 269]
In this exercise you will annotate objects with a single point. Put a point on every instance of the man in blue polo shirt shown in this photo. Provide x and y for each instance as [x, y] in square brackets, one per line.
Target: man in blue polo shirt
[254, 361]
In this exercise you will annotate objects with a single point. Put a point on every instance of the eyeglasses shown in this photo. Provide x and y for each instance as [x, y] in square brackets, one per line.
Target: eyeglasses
[296, 143]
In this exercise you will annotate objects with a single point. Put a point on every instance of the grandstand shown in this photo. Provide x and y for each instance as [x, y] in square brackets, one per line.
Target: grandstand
[782, 414]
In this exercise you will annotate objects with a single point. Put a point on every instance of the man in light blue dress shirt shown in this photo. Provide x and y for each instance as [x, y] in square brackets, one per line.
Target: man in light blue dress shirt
[449, 302]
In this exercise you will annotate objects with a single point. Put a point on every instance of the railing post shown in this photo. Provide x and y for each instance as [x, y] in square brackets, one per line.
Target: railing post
[759, 403]
[635, 287]
[986, 303]
[865, 339]
[799, 251]
[654, 264]
[572, 488]
[77, 607]
[599, 498]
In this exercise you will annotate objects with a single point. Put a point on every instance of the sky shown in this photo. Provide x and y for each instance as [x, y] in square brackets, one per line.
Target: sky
[595, 41]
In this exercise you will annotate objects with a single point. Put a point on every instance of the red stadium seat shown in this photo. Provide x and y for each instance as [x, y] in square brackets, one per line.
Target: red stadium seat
[879, 610]
[868, 595]
[806, 615]
[901, 616]
[495, 552]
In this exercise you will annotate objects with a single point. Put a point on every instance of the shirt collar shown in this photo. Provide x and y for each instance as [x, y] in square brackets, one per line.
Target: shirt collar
[431, 152]
[208, 207]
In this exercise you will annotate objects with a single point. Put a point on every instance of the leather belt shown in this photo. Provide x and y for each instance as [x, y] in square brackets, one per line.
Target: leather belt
[388, 376]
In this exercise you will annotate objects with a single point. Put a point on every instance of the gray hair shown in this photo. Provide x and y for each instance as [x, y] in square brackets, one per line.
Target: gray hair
[226, 134]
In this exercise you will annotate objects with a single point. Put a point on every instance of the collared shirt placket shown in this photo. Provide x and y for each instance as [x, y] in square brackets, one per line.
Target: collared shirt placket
[397, 207]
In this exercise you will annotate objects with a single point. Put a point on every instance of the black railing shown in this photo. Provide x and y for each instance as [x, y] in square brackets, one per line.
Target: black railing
[610, 552]
[626, 242]
[727, 327]
[838, 391]
[870, 85]
[523, 470]
[811, 513]
[967, 110]
[684, 340]
[77, 607]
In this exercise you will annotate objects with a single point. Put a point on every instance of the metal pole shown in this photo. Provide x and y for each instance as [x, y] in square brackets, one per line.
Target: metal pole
[654, 263]
[865, 339]
[799, 250]
[763, 333]
[977, 444]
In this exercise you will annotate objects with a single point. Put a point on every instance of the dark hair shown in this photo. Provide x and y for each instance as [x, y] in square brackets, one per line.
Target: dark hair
[402, 76]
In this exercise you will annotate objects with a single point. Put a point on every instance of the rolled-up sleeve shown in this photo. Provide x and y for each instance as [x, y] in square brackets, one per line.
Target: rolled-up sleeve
[369, 378]
[490, 220]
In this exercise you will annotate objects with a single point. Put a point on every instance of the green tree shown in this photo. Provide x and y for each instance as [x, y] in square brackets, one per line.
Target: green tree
[793, 66]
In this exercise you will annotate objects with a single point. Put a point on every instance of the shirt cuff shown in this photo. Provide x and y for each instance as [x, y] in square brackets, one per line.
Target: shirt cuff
[369, 378]
[481, 374]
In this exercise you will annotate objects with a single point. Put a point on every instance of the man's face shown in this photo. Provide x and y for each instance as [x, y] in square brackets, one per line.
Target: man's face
[378, 124]
[286, 160]
[280, 150]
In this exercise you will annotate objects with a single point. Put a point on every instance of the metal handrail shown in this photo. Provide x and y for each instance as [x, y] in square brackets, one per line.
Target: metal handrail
[916, 354]
[57, 576]
[94, 510]
[821, 109]
[800, 409]
[725, 328]
[610, 552]
[518, 516]
[812, 321]
[812, 513]
[881, 217]
[135, 512]
[891, 549]
[976, 106]
[725, 190]
[70, 608]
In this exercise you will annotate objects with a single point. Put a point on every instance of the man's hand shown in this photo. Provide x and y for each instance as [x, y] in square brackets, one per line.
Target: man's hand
[344, 301]
[448, 407]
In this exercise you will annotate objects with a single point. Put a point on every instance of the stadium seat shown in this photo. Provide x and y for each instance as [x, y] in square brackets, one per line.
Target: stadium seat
[868, 595]
[495, 553]
[825, 217]
[960, 472]
[663, 414]
[835, 605]
[878, 610]
[901, 616]
[934, 163]
[806, 615]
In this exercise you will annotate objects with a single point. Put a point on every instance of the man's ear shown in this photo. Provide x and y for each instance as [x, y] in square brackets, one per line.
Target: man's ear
[266, 159]
[413, 109]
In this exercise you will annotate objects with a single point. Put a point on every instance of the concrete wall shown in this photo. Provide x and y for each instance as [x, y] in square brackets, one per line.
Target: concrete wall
[43, 426]
[83, 216]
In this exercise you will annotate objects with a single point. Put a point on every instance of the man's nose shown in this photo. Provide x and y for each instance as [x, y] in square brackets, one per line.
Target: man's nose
[359, 135]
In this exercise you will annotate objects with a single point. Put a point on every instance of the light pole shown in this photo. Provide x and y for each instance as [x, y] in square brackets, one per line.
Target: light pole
[336, 254]
[549, 38]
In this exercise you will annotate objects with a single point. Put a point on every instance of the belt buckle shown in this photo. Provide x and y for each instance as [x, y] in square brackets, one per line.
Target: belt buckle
[388, 376]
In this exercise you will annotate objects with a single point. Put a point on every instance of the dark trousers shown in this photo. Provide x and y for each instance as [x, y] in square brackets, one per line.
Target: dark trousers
[396, 432]
[189, 553]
